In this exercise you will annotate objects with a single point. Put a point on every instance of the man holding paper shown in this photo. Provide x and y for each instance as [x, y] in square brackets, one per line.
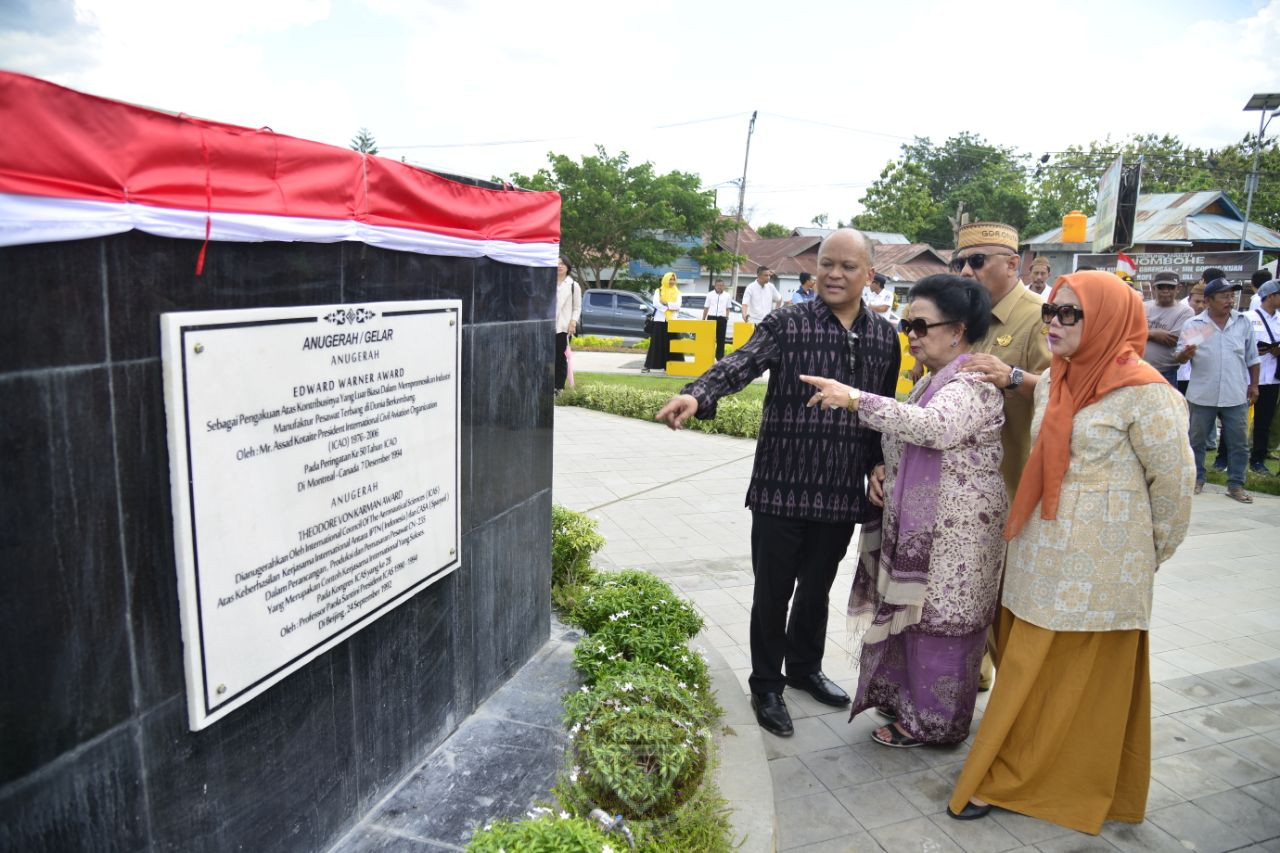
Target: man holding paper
[1223, 350]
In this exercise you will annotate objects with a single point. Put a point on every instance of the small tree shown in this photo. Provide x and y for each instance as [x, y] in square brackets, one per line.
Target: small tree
[613, 211]
[772, 229]
[364, 142]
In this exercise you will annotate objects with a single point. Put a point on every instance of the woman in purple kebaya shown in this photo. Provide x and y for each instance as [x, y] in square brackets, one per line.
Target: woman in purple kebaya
[928, 580]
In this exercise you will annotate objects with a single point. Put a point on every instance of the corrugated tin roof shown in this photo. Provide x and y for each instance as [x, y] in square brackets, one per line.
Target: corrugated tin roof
[1203, 216]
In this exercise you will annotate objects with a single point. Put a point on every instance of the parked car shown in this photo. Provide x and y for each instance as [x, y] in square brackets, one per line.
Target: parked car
[695, 302]
[619, 313]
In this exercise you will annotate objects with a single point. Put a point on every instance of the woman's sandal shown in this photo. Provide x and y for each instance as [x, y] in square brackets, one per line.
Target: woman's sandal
[896, 739]
[888, 715]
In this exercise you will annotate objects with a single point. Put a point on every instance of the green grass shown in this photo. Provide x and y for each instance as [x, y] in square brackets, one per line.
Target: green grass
[671, 384]
[1252, 482]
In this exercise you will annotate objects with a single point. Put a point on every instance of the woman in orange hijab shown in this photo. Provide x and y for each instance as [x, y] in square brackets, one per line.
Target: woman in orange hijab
[1104, 500]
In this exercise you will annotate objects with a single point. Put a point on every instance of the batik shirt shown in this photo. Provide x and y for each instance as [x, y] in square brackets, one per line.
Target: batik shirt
[810, 464]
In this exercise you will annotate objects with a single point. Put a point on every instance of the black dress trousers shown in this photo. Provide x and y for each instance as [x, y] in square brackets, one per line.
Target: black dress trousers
[791, 556]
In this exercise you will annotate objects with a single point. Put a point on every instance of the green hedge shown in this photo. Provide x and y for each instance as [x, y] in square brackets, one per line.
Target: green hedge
[734, 416]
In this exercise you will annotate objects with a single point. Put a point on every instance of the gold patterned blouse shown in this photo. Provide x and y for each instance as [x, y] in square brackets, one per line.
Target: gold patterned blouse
[1124, 508]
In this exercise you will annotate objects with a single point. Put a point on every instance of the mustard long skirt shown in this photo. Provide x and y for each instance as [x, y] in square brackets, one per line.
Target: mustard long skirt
[1066, 736]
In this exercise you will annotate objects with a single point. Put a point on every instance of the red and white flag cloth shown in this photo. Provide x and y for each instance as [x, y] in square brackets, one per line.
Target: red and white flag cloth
[74, 166]
[1125, 267]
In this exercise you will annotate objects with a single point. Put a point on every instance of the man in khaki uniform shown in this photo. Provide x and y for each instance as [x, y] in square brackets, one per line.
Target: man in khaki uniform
[1013, 353]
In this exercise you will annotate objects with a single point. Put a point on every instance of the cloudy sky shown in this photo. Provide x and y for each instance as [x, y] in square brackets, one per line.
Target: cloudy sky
[488, 88]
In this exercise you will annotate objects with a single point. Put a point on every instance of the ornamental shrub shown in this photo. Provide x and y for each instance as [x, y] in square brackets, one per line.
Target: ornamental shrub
[734, 416]
[616, 644]
[651, 684]
[638, 596]
[584, 341]
[639, 760]
[543, 832]
[574, 541]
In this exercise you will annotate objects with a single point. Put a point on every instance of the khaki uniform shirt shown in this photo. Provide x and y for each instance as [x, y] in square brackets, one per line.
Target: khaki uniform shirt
[1017, 337]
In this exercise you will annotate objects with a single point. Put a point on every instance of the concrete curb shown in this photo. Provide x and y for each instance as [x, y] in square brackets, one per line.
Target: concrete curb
[742, 769]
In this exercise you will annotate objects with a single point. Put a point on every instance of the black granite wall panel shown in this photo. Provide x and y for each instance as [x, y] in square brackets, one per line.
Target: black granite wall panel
[54, 314]
[93, 798]
[511, 413]
[65, 671]
[94, 748]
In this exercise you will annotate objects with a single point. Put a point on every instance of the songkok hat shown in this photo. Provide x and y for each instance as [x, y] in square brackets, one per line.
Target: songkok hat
[1198, 287]
[1218, 285]
[987, 234]
[1040, 262]
[1164, 275]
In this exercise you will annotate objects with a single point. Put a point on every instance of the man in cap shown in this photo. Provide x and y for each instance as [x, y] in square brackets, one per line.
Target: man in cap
[1165, 317]
[878, 297]
[1223, 350]
[1266, 328]
[808, 486]
[1013, 353]
[1039, 276]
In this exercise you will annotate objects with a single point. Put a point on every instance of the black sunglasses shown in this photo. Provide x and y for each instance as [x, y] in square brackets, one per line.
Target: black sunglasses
[851, 344]
[919, 326]
[976, 260]
[1068, 315]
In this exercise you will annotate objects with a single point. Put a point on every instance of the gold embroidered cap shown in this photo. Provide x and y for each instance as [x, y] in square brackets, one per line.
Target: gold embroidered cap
[987, 234]
[1040, 262]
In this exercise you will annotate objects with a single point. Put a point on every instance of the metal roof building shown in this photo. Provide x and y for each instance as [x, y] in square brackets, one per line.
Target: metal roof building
[1207, 219]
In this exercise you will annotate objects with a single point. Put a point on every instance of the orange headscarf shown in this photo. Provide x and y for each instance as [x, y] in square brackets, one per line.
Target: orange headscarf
[1109, 357]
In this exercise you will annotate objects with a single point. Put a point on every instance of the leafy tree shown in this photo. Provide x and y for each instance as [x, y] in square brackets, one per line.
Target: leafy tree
[364, 142]
[900, 201]
[773, 229]
[1068, 180]
[613, 211]
[916, 193]
[820, 220]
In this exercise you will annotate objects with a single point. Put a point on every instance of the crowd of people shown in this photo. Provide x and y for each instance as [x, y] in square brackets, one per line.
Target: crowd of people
[1015, 505]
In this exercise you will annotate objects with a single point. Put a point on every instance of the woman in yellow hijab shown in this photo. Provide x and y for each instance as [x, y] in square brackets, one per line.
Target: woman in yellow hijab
[666, 301]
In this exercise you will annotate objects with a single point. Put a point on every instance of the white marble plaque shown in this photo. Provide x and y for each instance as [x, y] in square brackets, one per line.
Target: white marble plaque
[314, 463]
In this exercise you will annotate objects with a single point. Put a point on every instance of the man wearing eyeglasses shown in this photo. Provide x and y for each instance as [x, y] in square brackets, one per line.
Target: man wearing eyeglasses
[1013, 353]
[808, 487]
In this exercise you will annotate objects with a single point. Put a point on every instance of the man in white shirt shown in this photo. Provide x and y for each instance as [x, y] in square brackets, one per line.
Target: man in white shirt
[1259, 278]
[760, 297]
[717, 308]
[1266, 327]
[878, 297]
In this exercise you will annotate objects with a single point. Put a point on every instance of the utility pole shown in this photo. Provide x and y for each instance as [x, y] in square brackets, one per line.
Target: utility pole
[742, 197]
[1265, 103]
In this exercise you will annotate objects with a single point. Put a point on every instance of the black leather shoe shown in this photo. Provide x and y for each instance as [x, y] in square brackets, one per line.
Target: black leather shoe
[819, 687]
[971, 811]
[772, 714]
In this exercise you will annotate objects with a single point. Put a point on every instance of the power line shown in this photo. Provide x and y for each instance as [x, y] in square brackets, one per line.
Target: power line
[543, 139]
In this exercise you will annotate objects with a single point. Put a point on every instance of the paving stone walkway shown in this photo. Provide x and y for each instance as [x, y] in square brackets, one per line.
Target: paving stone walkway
[672, 503]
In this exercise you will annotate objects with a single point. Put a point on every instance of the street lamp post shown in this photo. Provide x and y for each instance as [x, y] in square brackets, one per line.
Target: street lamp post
[1264, 103]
